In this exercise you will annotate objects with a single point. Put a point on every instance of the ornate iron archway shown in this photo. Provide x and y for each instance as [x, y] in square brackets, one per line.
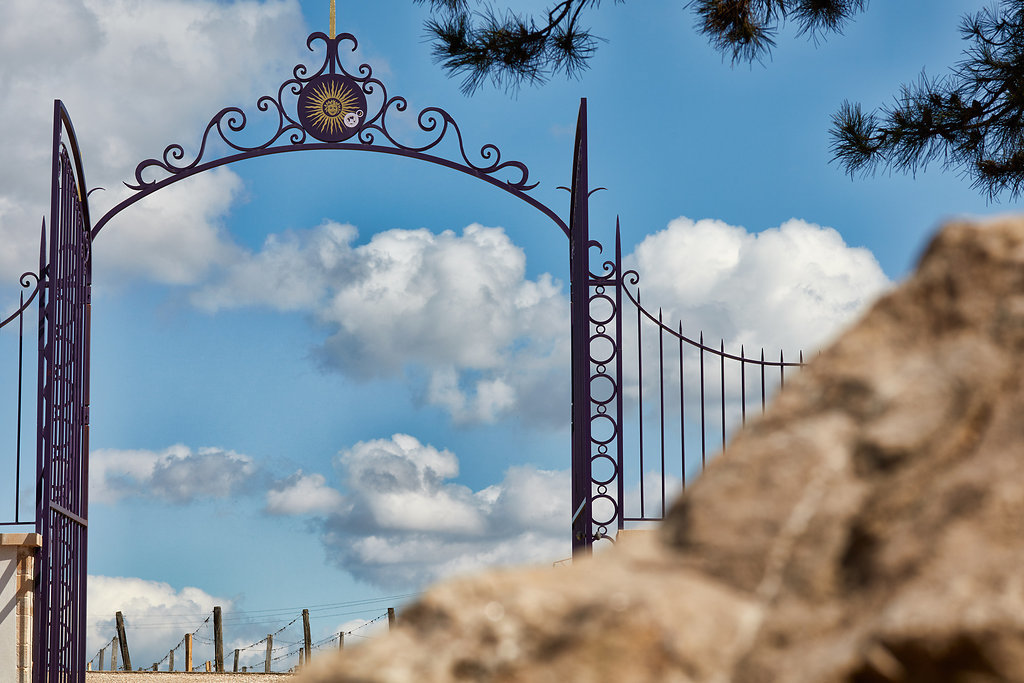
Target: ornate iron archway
[333, 108]
[326, 108]
[329, 108]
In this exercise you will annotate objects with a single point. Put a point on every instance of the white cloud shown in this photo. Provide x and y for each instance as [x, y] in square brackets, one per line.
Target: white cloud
[791, 287]
[402, 522]
[177, 235]
[135, 77]
[177, 474]
[302, 494]
[156, 617]
[457, 305]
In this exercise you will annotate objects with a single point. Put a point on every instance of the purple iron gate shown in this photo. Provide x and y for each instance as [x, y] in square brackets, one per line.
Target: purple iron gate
[323, 108]
[62, 453]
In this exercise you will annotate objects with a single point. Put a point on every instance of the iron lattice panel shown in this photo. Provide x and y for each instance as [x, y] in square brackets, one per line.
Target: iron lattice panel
[62, 459]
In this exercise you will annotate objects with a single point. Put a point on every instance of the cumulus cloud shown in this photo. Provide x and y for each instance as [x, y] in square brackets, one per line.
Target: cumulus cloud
[135, 77]
[788, 287]
[177, 474]
[458, 306]
[402, 521]
[302, 494]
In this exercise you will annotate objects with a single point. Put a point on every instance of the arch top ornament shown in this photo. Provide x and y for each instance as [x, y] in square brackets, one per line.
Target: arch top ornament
[326, 108]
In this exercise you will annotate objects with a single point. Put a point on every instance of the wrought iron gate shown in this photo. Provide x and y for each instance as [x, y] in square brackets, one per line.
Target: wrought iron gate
[319, 109]
[63, 419]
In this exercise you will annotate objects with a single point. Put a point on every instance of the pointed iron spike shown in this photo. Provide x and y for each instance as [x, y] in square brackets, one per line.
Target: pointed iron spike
[801, 356]
[42, 248]
[618, 248]
[741, 351]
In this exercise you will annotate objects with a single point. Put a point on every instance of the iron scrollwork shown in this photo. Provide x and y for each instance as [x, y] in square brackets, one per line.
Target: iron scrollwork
[27, 279]
[604, 344]
[330, 105]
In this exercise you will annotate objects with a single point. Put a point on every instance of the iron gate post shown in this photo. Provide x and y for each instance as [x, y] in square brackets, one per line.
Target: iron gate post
[579, 272]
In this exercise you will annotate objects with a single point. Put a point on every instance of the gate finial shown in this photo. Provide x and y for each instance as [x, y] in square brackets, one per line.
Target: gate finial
[333, 32]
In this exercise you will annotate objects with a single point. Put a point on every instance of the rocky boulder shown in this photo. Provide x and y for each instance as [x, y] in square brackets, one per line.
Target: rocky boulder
[870, 527]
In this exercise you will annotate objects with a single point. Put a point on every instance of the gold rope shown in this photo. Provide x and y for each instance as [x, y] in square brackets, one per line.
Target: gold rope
[332, 20]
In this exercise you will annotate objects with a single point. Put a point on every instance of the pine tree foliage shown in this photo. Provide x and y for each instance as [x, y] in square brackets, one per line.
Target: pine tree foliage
[481, 44]
[971, 120]
[746, 29]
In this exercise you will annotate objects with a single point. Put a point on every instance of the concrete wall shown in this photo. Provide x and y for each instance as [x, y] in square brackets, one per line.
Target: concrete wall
[17, 564]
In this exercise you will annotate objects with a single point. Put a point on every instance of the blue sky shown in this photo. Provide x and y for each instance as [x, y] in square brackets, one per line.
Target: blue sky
[324, 378]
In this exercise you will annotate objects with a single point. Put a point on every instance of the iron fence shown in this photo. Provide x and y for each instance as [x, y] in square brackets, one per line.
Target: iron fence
[12, 379]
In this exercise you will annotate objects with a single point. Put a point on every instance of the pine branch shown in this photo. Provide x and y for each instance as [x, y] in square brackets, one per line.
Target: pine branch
[509, 48]
[971, 121]
[746, 29]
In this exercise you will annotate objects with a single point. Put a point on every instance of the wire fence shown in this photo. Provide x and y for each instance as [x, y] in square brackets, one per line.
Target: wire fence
[288, 646]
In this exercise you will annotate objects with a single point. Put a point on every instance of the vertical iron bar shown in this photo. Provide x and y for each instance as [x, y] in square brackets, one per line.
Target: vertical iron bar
[40, 603]
[682, 410]
[86, 419]
[17, 448]
[743, 387]
[640, 397]
[579, 266]
[722, 357]
[661, 389]
[618, 370]
[762, 381]
[703, 429]
[782, 371]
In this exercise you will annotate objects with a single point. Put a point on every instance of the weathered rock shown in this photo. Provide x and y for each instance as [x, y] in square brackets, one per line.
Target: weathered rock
[869, 528]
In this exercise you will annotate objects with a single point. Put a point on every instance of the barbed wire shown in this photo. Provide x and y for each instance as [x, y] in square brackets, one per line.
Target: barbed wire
[243, 615]
[100, 651]
[284, 648]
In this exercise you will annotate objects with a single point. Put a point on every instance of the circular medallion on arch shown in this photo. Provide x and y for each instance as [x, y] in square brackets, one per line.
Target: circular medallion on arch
[332, 107]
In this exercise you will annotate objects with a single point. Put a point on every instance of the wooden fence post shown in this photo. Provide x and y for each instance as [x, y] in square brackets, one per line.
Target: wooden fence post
[170, 661]
[154, 666]
[209, 666]
[305, 633]
[124, 642]
[218, 640]
[103, 651]
[188, 652]
[391, 618]
[270, 648]
[235, 670]
[113, 654]
[341, 641]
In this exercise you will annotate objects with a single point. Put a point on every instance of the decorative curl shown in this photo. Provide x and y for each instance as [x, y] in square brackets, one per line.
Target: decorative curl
[27, 279]
[228, 125]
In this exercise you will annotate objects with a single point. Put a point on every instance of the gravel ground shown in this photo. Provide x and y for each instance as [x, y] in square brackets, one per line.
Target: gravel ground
[182, 677]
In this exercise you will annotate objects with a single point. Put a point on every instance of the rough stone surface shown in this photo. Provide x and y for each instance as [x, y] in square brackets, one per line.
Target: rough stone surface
[870, 527]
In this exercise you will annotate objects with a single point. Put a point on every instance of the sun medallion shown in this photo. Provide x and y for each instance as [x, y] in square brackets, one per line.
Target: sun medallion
[332, 107]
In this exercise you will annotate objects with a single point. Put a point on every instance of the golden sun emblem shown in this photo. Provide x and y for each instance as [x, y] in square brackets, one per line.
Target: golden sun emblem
[330, 107]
